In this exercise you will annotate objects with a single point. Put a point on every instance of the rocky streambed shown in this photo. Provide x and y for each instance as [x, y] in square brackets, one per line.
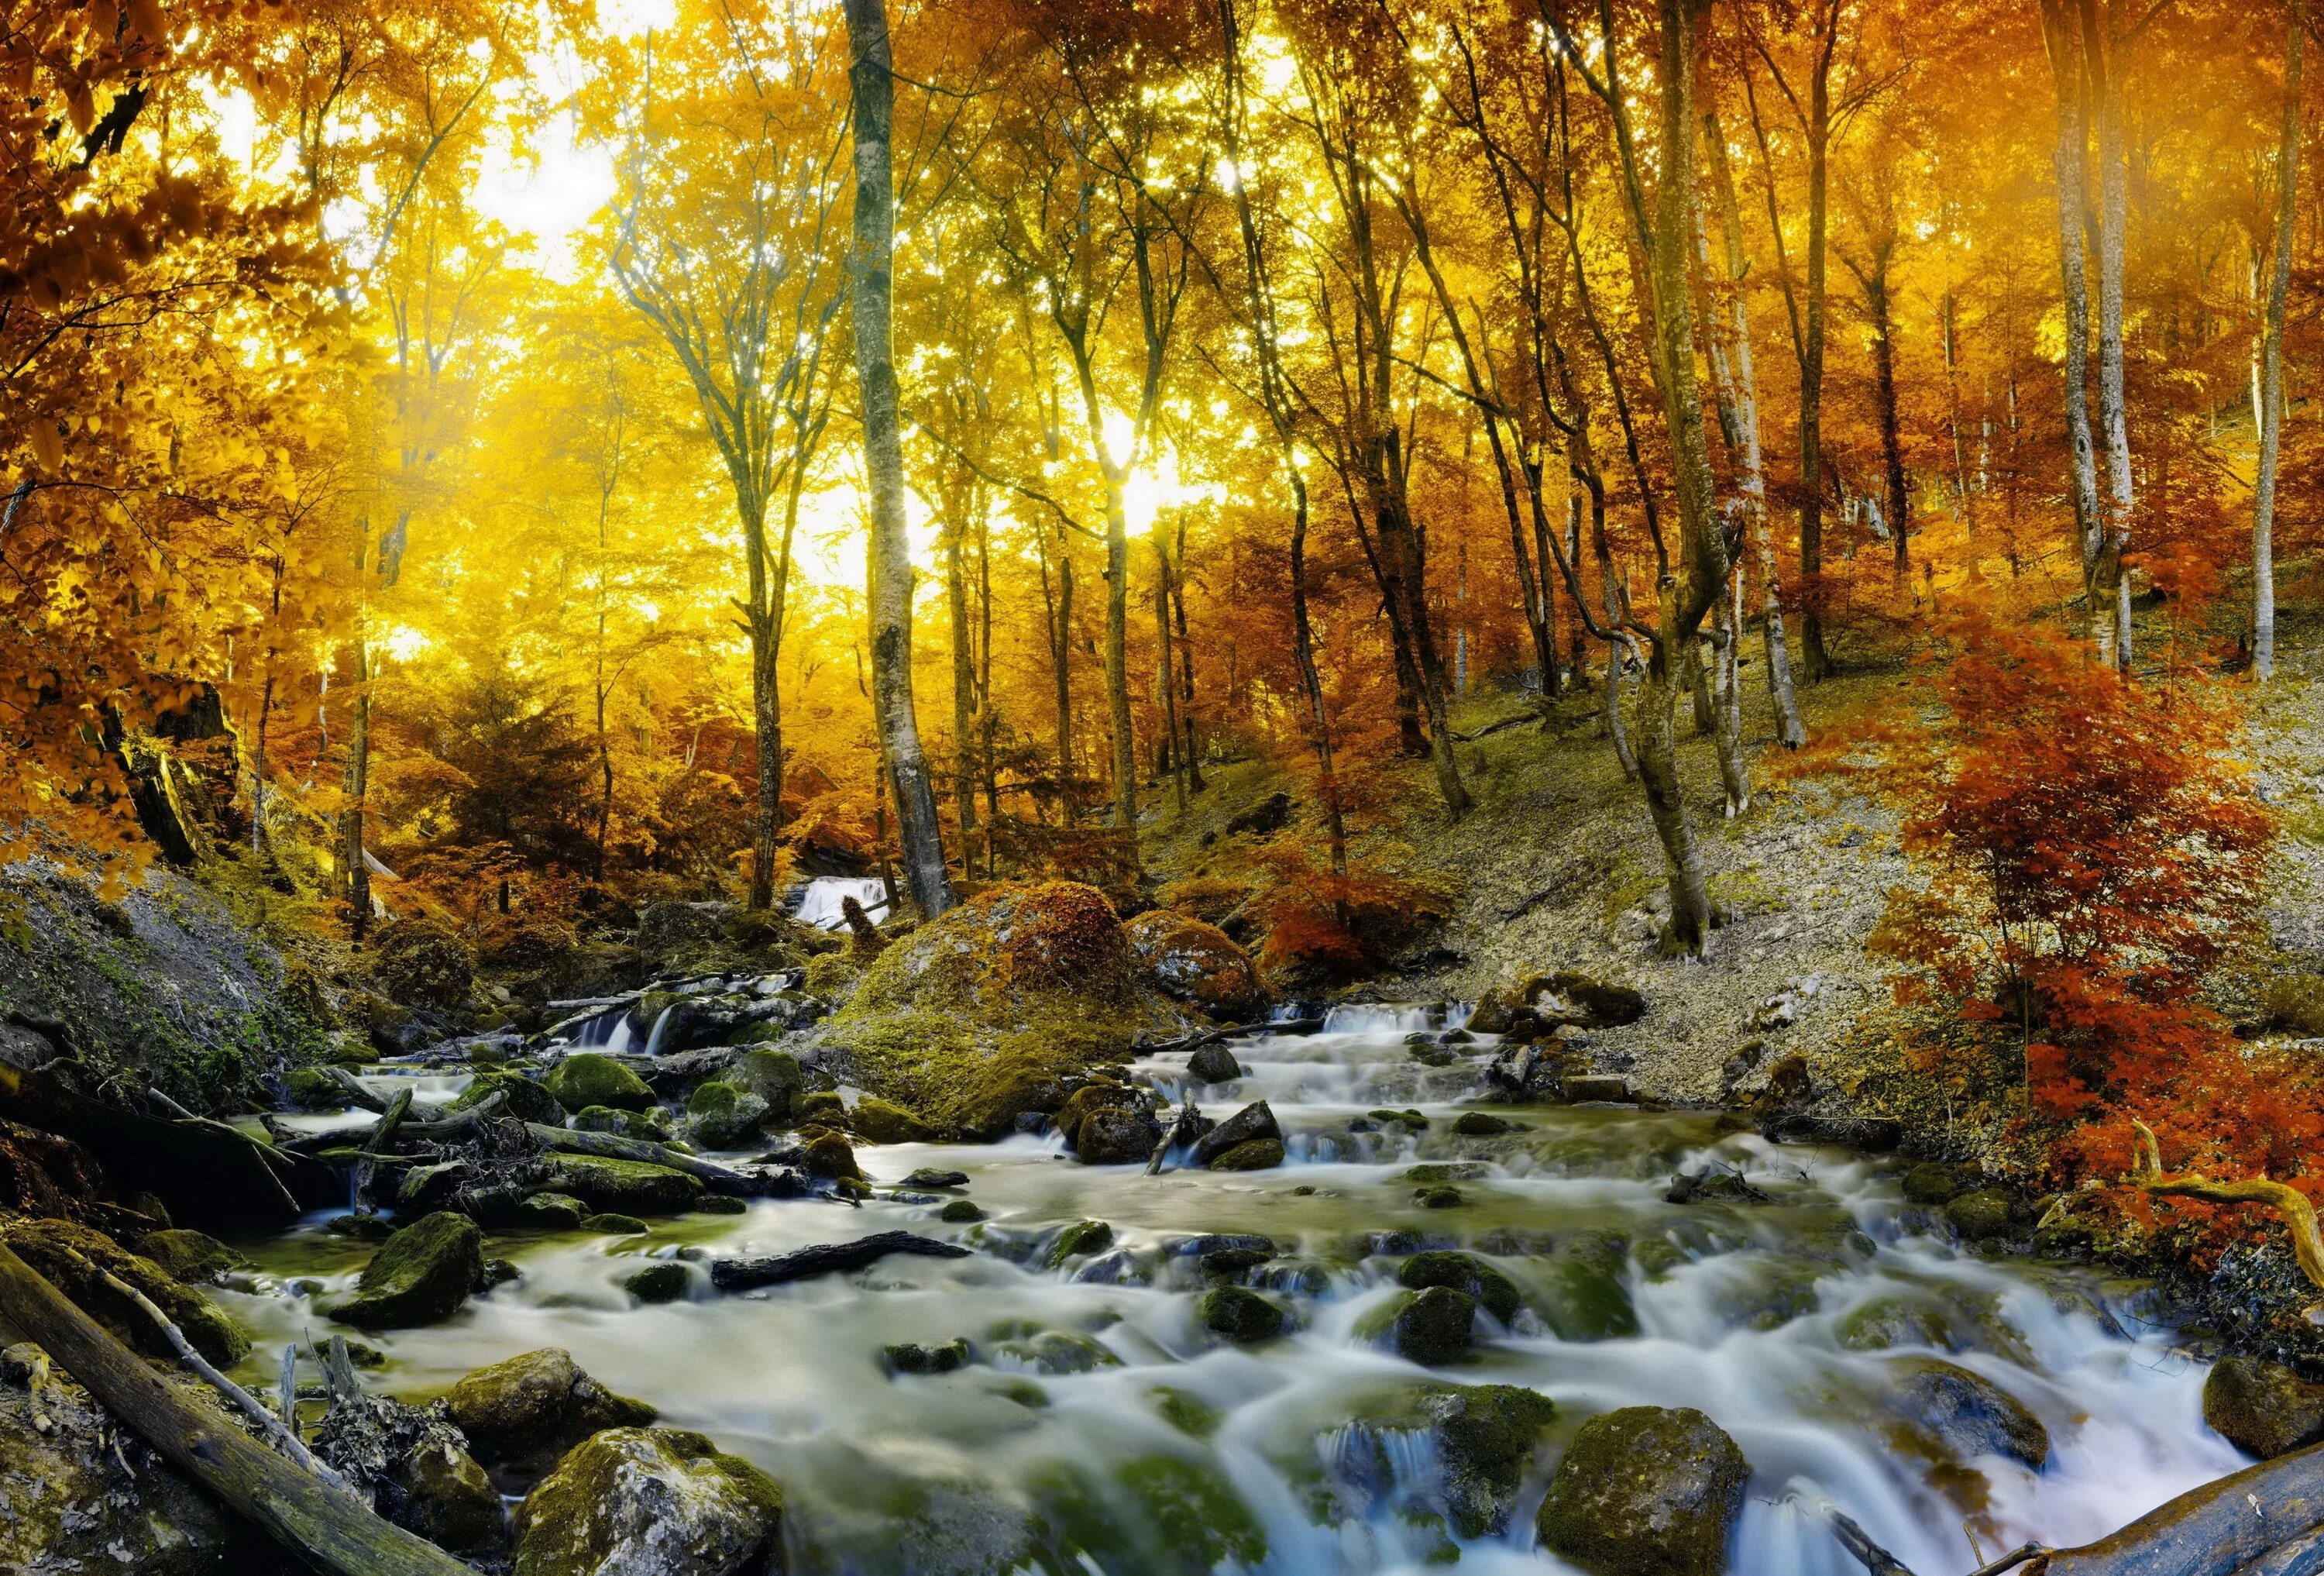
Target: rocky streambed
[1404, 1329]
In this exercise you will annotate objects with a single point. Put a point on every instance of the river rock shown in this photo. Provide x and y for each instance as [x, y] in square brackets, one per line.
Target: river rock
[721, 1116]
[774, 1077]
[881, 1122]
[1967, 1412]
[1241, 1317]
[1431, 1326]
[1980, 1214]
[1646, 1491]
[1931, 1183]
[586, 1078]
[1256, 1155]
[191, 1257]
[1481, 1124]
[931, 1177]
[78, 1492]
[2263, 1408]
[1537, 1005]
[1485, 1438]
[621, 1186]
[662, 1282]
[909, 1358]
[552, 1211]
[536, 1406]
[1099, 1094]
[415, 1467]
[420, 1275]
[652, 1124]
[1213, 1064]
[526, 1099]
[1081, 1237]
[829, 1155]
[1197, 963]
[75, 1259]
[650, 1502]
[1463, 1272]
[1252, 1123]
[1114, 1136]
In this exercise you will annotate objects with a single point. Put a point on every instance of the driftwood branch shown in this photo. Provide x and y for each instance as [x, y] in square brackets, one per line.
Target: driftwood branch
[735, 1275]
[1232, 1032]
[2299, 1215]
[1184, 1128]
[1858, 1543]
[376, 1144]
[322, 1523]
[460, 1123]
[352, 1087]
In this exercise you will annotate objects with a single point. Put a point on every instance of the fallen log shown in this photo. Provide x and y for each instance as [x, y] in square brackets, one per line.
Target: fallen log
[460, 1124]
[735, 1275]
[377, 1145]
[325, 1526]
[614, 1146]
[2221, 1529]
[352, 1087]
[1232, 1032]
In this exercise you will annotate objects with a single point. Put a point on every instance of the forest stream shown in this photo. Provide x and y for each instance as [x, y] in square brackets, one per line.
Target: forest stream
[1096, 1424]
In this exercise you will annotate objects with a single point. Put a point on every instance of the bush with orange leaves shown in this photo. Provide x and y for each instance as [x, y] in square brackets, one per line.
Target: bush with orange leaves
[2088, 851]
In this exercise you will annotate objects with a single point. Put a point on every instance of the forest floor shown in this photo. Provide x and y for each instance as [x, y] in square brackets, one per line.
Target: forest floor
[1557, 867]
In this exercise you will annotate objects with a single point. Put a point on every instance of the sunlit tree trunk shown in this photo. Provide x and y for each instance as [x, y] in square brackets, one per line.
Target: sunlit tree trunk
[1164, 677]
[1194, 749]
[2107, 49]
[2066, 162]
[871, 264]
[2271, 437]
[963, 695]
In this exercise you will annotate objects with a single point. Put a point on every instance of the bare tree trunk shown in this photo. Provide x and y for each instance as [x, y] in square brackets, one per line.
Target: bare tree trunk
[355, 782]
[1194, 749]
[1164, 677]
[2270, 438]
[2066, 162]
[1059, 607]
[767, 720]
[963, 698]
[1734, 769]
[1884, 398]
[1812, 650]
[871, 264]
[1117, 656]
[2107, 61]
[1750, 474]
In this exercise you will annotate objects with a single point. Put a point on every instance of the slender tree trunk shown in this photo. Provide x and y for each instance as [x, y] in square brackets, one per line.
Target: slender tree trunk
[1401, 553]
[355, 781]
[1059, 607]
[2271, 437]
[1117, 657]
[1884, 398]
[1734, 769]
[1194, 749]
[2108, 50]
[1813, 651]
[1616, 730]
[1164, 677]
[964, 699]
[767, 720]
[869, 267]
[2066, 162]
[1961, 495]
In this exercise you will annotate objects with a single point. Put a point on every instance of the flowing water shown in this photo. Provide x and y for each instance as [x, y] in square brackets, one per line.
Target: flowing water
[1099, 1429]
[821, 898]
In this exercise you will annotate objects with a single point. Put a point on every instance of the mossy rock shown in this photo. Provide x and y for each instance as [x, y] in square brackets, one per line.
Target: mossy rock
[652, 1124]
[76, 1259]
[537, 1404]
[1463, 1272]
[1431, 1327]
[1967, 1412]
[1485, 1435]
[724, 1116]
[526, 1101]
[881, 1122]
[1253, 1155]
[312, 1088]
[660, 1499]
[628, 1187]
[1889, 1322]
[1117, 1136]
[1241, 1316]
[775, 1077]
[665, 1282]
[420, 1275]
[831, 1156]
[1481, 1124]
[976, 1018]
[2262, 1408]
[1052, 1352]
[418, 961]
[1980, 1215]
[1080, 1238]
[1197, 963]
[1585, 1296]
[1931, 1183]
[960, 1211]
[553, 1211]
[1646, 1491]
[720, 1204]
[1439, 1197]
[907, 1358]
[614, 1225]
[190, 1256]
[821, 1106]
[587, 1079]
[1156, 1515]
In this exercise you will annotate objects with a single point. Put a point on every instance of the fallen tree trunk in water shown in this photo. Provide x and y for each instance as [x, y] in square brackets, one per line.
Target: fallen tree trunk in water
[1194, 1042]
[614, 1146]
[2267, 1520]
[736, 1275]
[325, 1526]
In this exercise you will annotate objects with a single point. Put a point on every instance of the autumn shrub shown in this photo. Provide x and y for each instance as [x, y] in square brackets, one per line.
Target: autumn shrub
[2086, 851]
[1324, 929]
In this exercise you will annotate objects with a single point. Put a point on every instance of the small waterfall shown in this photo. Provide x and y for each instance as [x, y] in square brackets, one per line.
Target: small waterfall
[653, 1040]
[609, 1031]
[1394, 1017]
[820, 905]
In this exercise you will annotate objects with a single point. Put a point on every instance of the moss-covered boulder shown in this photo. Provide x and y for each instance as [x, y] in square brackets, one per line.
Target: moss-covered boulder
[663, 1281]
[551, 1212]
[1585, 1290]
[1646, 1491]
[1965, 1414]
[882, 1121]
[1931, 1183]
[313, 1089]
[526, 1099]
[1485, 1438]
[1256, 1155]
[1241, 1316]
[1114, 1134]
[420, 1275]
[75, 1260]
[652, 1124]
[587, 1078]
[536, 1405]
[1162, 1515]
[1980, 1214]
[1083, 1236]
[419, 962]
[1251, 1124]
[722, 1116]
[2263, 1408]
[662, 1500]
[1432, 1326]
[1463, 1272]
[831, 1156]
[774, 1077]
[976, 1018]
[1196, 964]
[190, 1256]
[621, 1186]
